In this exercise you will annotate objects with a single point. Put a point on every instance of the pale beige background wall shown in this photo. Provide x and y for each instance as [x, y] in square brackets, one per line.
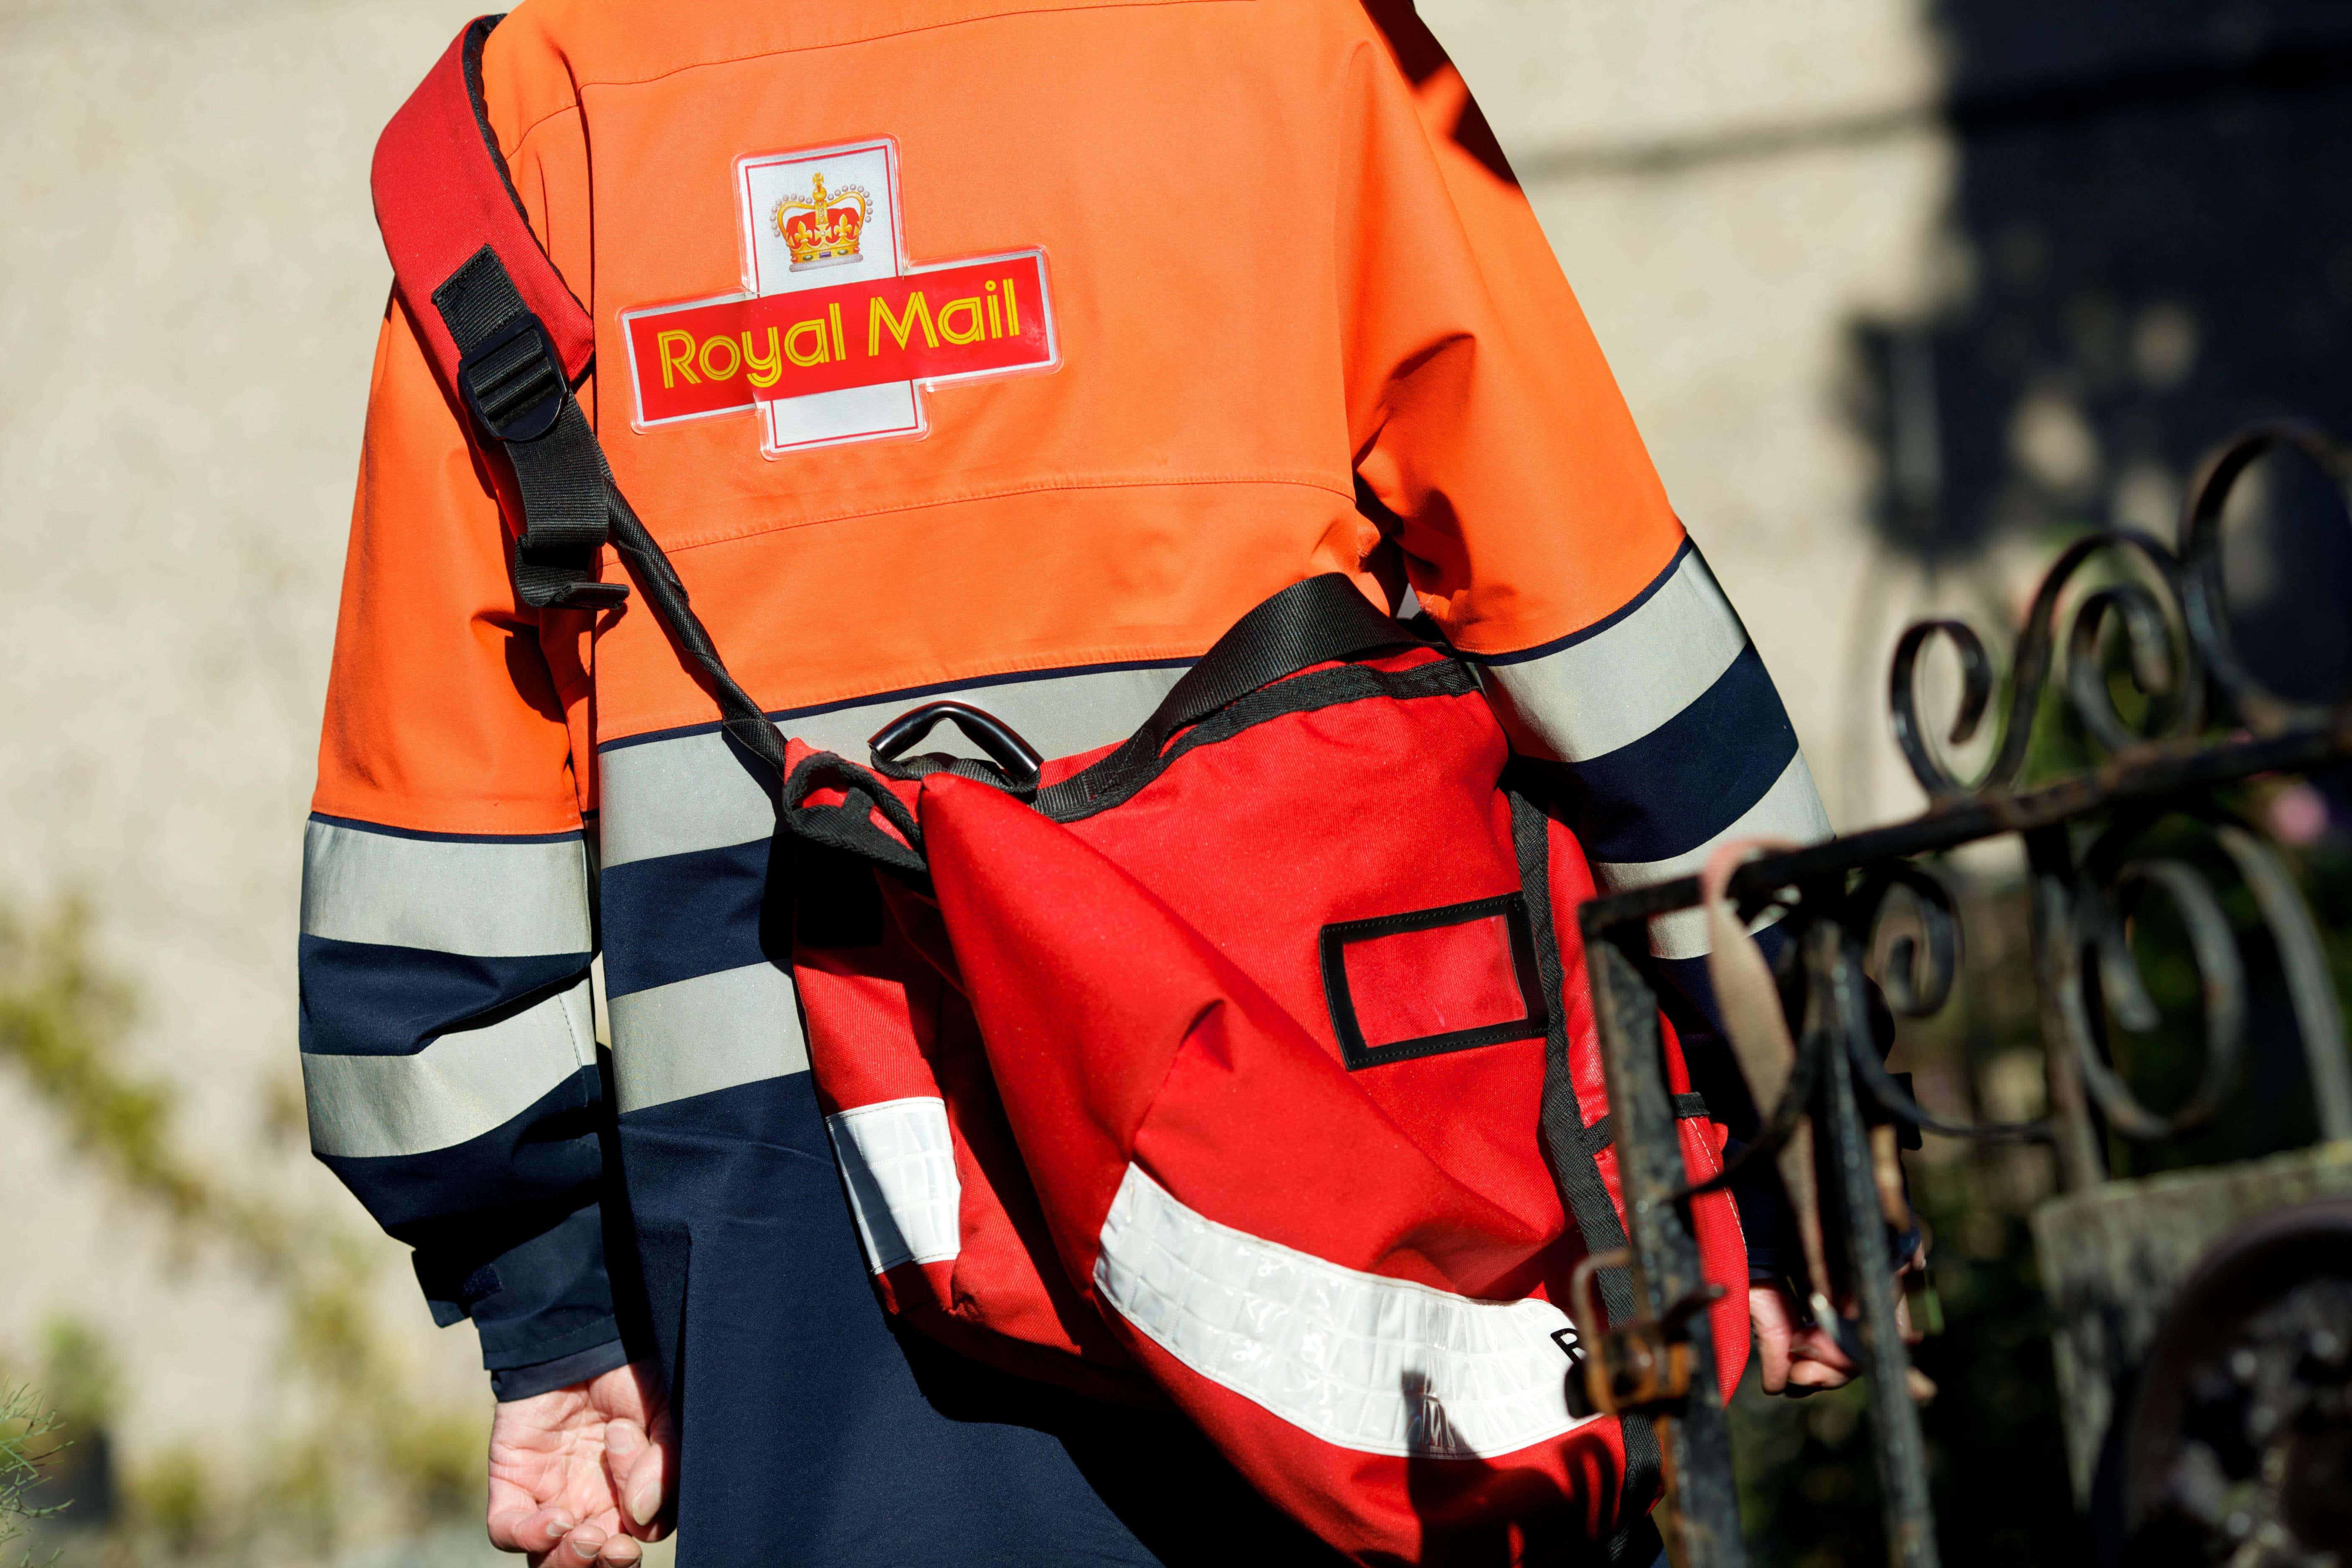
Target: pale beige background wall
[192, 285]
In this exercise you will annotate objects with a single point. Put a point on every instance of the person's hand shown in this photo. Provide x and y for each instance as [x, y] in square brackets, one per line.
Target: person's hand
[1785, 1354]
[579, 1476]
[1808, 1358]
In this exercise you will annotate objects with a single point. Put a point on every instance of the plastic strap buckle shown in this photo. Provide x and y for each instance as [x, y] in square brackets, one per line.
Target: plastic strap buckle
[513, 381]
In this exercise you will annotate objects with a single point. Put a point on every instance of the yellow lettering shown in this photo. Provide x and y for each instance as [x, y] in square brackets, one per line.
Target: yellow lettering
[918, 313]
[969, 307]
[995, 314]
[676, 358]
[734, 359]
[834, 312]
[1012, 311]
[812, 328]
[763, 370]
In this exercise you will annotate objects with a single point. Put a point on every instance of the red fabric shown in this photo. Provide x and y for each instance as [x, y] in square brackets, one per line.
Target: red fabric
[440, 195]
[1412, 984]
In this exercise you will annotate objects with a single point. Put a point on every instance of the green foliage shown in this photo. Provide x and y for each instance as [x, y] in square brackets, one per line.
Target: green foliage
[28, 1432]
[60, 1017]
[356, 1450]
[77, 1373]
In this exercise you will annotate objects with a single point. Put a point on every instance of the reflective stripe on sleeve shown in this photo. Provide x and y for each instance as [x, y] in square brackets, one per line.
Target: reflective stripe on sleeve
[482, 898]
[1607, 687]
[898, 1159]
[1790, 809]
[462, 1084]
[712, 1032]
[679, 794]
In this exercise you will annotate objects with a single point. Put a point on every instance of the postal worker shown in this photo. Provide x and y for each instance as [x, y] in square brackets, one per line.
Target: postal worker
[1168, 304]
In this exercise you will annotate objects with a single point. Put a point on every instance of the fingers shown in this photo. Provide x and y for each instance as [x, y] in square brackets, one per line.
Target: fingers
[1816, 1361]
[536, 1531]
[1769, 1319]
[1812, 1375]
[592, 1546]
[646, 1483]
[1911, 1335]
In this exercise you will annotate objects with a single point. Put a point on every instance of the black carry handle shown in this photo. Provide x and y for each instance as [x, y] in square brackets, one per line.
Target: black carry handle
[1313, 621]
[1015, 757]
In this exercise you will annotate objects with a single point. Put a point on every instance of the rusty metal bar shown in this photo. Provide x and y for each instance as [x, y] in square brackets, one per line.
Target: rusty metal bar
[1703, 1516]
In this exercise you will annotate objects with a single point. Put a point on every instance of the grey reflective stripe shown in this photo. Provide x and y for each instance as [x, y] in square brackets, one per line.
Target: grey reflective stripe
[485, 899]
[463, 1084]
[712, 1032]
[1790, 809]
[1609, 690]
[675, 796]
[672, 797]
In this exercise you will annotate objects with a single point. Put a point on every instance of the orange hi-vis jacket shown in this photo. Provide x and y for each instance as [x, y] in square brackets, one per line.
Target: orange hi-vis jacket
[1011, 348]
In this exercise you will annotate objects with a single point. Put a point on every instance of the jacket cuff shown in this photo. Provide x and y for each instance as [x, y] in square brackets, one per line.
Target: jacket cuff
[1764, 1219]
[522, 1381]
[542, 1300]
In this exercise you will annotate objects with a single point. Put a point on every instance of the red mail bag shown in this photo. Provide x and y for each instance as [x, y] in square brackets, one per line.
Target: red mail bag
[1250, 1060]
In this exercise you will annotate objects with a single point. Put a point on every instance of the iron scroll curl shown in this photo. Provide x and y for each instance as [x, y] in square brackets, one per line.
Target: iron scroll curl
[2171, 614]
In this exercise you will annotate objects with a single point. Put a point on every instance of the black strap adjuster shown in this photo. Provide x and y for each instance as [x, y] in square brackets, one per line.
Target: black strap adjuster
[513, 382]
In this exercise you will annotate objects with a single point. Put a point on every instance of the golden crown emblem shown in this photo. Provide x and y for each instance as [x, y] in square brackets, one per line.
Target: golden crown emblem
[820, 228]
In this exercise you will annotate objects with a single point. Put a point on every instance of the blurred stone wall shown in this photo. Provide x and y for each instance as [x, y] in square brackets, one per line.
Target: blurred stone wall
[193, 286]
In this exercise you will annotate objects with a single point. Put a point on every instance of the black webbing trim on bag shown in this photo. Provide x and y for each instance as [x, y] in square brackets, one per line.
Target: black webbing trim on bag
[513, 384]
[1600, 1134]
[1314, 621]
[1116, 779]
[1311, 622]
[1561, 1122]
[849, 826]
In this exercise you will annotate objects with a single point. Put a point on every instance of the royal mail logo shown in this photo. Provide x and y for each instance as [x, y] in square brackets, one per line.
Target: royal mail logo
[837, 334]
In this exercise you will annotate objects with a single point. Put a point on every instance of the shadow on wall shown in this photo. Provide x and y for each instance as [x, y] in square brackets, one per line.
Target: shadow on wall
[2150, 246]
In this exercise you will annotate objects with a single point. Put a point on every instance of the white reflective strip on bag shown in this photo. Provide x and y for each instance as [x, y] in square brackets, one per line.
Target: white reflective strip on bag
[900, 1164]
[1360, 1360]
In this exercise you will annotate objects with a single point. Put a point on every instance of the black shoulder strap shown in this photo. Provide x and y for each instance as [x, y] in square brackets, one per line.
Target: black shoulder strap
[514, 388]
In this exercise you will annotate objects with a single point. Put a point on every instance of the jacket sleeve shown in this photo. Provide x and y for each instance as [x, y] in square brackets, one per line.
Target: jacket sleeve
[448, 1053]
[1498, 454]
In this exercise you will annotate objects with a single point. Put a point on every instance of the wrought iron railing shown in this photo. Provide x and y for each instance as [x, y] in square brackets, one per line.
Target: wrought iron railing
[2201, 722]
